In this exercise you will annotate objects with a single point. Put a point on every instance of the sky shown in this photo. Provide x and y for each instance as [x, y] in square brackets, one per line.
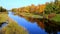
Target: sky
[9, 4]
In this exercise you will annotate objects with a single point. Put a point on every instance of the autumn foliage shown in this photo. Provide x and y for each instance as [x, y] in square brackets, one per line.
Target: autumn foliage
[31, 9]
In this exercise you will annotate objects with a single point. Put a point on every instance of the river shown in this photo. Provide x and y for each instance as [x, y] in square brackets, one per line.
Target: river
[33, 26]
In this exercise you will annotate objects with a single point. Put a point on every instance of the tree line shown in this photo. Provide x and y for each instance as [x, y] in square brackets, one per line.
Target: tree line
[52, 7]
[2, 9]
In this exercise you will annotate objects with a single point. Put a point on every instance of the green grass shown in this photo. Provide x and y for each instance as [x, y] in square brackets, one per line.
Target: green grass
[56, 18]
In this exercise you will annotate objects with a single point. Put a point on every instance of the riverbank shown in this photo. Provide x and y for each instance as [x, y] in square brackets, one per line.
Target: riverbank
[12, 27]
[28, 14]
[3, 17]
[55, 19]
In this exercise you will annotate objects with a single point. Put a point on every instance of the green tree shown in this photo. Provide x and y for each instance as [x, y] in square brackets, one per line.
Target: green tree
[49, 8]
[2, 9]
[53, 7]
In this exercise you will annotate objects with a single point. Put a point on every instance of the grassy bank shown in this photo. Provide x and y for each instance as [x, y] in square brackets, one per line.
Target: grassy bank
[12, 26]
[56, 19]
[29, 15]
[3, 17]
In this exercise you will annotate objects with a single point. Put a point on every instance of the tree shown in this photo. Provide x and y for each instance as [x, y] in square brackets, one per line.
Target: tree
[32, 8]
[53, 7]
[57, 3]
[2, 9]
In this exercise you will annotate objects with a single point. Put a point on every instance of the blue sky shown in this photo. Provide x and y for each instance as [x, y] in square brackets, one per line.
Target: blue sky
[9, 4]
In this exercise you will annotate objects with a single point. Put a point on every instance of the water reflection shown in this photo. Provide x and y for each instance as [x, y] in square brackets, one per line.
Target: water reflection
[33, 24]
[49, 26]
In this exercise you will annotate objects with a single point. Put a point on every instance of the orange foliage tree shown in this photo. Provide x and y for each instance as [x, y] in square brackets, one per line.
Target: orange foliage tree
[32, 9]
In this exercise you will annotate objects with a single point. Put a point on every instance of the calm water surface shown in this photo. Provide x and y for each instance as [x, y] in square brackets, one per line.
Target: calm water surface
[33, 26]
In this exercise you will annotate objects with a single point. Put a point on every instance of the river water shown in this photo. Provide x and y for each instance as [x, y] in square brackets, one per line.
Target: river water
[33, 26]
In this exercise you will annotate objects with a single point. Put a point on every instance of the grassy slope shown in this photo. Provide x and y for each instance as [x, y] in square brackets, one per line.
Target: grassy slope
[12, 26]
[30, 15]
[56, 18]
[3, 17]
